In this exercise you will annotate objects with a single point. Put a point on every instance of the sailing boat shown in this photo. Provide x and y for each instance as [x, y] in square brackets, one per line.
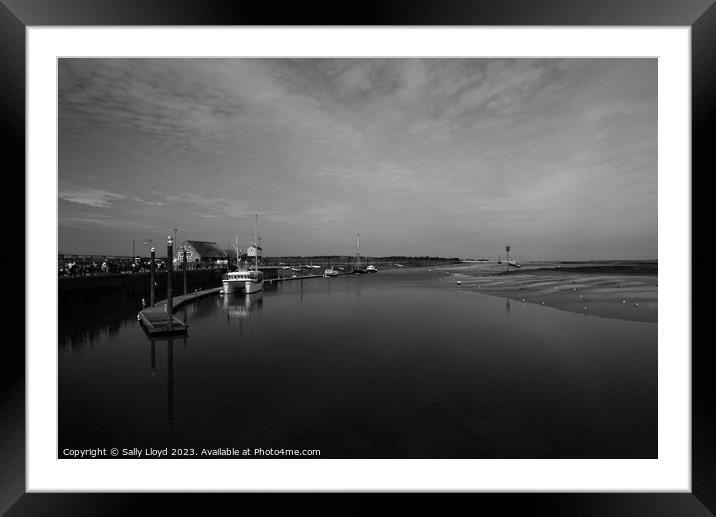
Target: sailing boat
[330, 271]
[245, 280]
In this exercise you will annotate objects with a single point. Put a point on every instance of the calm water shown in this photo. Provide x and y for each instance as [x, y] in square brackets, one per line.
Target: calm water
[398, 365]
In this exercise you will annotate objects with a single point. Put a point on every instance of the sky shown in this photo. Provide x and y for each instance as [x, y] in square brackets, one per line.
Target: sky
[439, 157]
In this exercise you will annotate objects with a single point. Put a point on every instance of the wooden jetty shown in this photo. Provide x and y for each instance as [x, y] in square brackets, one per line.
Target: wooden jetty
[156, 322]
[155, 319]
[271, 281]
[178, 301]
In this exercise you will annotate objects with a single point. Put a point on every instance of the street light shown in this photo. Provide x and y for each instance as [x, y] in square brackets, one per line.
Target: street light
[152, 266]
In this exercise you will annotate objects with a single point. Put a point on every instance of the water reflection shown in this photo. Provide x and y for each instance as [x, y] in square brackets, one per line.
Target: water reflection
[153, 356]
[84, 317]
[383, 367]
[170, 382]
[238, 306]
[169, 340]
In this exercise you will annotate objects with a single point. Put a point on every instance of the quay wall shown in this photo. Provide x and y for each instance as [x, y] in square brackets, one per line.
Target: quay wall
[138, 284]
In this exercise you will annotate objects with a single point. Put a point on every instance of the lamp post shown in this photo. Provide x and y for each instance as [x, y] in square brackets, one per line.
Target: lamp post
[183, 265]
[152, 265]
[170, 273]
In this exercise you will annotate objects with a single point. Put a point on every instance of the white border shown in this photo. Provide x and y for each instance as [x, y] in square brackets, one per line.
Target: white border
[671, 472]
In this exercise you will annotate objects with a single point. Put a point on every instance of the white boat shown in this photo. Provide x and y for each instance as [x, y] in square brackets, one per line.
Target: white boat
[244, 280]
[371, 269]
[330, 272]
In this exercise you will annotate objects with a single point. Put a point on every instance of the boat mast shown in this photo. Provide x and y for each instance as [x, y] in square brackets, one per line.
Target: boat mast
[358, 253]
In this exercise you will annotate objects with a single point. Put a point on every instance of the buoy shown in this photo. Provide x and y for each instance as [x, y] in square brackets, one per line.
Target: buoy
[585, 308]
[523, 300]
[459, 282]
[543, 302]
[636, 305]
[221, 291]
[623, 301]
[580, 295]
[574, 289]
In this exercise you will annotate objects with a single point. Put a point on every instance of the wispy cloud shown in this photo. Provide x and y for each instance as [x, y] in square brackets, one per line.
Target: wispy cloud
[90, 197]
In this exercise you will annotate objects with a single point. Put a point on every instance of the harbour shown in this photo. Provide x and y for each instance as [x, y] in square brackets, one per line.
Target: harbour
[437, 365]
[394, 258]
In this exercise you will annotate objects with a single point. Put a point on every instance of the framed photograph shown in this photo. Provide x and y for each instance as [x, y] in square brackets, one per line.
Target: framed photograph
[398, 256]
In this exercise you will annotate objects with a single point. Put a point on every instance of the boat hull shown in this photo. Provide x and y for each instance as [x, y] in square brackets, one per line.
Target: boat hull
[242, 286]
[253, 287]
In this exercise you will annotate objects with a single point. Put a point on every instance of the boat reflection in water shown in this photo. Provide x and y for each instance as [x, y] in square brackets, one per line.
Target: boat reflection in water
[240, 306]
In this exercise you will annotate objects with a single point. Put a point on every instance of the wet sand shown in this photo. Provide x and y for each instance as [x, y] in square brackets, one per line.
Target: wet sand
[609, 295]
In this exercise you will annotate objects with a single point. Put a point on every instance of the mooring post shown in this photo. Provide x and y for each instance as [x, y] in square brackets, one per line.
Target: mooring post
[152, 265]
[183, 265]
[170, 273]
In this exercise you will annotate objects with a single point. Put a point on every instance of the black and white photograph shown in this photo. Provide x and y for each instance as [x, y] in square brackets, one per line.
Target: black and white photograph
[338, 258]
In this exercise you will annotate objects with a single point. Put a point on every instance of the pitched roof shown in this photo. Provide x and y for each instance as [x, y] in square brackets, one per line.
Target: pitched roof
[207, 249]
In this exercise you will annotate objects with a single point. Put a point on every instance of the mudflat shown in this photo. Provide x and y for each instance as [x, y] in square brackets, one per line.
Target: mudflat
[627, 291]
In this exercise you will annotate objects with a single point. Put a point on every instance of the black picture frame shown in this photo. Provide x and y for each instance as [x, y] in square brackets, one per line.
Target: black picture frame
[17, 15]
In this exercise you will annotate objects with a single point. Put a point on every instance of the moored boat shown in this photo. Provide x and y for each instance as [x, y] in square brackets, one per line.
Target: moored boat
[244, 280]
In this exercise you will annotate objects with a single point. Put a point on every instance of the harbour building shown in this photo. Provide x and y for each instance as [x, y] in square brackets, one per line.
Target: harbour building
[201, 253]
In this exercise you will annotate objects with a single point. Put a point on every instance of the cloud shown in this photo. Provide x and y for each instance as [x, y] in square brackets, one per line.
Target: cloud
[429, 147]
[90, 197]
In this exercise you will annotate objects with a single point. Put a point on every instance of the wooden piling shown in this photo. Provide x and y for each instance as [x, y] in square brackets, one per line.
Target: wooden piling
[170, 274]
[151, 280]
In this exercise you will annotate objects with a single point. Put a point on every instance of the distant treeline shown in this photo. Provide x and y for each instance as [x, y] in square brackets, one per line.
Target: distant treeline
[393, 258]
